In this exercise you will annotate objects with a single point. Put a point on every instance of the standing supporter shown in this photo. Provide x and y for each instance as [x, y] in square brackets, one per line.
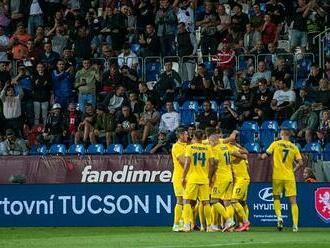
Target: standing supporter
[110, 79]
[238, 22]
[18, 42]
[82, 43]
[62, 82]
[185, 13]
[166, 27]
[4, 42]
[244, 102]
[225, 57]
[299, 29]
[72, 119]
[36, 10]
[149, 42]
[85, 81]
[268, 31]
[225, 22]
[41, 87]
[49, 58]
[169, 121]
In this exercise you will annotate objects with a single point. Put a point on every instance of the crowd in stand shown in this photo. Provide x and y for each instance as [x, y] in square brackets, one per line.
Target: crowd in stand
[60, 82]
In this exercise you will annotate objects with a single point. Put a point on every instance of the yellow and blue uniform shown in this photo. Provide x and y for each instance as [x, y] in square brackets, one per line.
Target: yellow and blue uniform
[284, 154]
[178, 149]
[198, 176]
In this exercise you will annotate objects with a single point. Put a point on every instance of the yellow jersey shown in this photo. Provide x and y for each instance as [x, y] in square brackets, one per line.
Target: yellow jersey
[284, 154]
[199, 155]
[206, 141]
[222, 155]
[178, 149]
[239, 166]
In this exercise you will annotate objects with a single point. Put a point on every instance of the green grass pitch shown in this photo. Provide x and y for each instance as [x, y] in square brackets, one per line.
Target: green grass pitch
[159, 237]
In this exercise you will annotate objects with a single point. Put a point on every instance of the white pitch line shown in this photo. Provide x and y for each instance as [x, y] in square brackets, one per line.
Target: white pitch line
[210, 245]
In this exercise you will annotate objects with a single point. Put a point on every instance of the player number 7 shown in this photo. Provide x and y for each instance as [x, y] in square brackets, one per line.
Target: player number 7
[285, 155]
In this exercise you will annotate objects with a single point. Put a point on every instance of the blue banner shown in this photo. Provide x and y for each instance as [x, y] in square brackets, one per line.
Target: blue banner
[139, 205]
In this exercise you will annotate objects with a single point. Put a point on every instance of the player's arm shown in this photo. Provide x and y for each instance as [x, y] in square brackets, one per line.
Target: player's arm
[212, 169]
[268, 152]
[185, 171]
[299, 165]
[231, 138]
[237, 154]
[181, 159]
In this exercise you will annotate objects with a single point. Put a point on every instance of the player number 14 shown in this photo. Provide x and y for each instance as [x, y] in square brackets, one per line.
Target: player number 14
[199, 156]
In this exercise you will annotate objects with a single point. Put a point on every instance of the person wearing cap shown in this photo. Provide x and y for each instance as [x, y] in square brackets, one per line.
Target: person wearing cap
[307, 121]
[54, 129]
[18, 42]
[85, 81]
[104, 125]
[12, 145]
[127, 57]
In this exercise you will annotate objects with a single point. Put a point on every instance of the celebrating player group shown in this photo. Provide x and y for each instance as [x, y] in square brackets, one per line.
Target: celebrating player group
[211, 180]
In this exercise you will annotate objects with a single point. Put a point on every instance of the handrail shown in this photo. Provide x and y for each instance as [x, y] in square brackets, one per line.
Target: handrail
[320, 34]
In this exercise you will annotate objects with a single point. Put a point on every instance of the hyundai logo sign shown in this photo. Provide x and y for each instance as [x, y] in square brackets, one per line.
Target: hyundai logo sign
[266, 194]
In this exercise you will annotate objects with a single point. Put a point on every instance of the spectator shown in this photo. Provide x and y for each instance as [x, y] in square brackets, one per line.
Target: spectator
[127, 57]
[54, 129]
[149, 42]
[82, 43]
[185, 14]
[107, 56]
[170, 121]
[41, 86]
[110, 79]
[149, 121]
[258, 48]
[145, 94]
[126, 127]
[168, 82]
[86, 126]
[299, 29]
[33, 55]
[166, 27]
[118, 30]
[262, 72]
[201, 84]
[12, 108]
[72, 119]
[136, 106]
[281, 71]
[187, 46]
[283, 100]
[322, 137]
[4, 72]
[238, 21]
[244, 102]
[12, 145]
[322, 95]
[262, 100]
[114, 101]
[251, 37]
[314, 77]
[129, 78]
[62, 84]
[277, 14]
[225, 21]
[4, 43]
[18, 42]
[104, 125]
[49, 57]
[268, 31]
[309, 175]
[225, 57]
[221, 85]
[325, 121]
[327, 68]
[208, 118]
[208, 23]
[85, 81]
[228, 118]
[36, 14]
[59, 40]
[307, 120]
[162, 146]
[304, 96]
[257, 19]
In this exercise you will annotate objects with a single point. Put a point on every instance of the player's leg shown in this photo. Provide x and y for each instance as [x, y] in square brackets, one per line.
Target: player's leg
[239, 192]
[204, 197]
[178, 191]
[190, 193]
[277, 191]
[201, 215]
[291, 192]
[195, 208]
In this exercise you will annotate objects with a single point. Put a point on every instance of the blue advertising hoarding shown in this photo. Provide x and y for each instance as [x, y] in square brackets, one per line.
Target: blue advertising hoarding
[139, 205]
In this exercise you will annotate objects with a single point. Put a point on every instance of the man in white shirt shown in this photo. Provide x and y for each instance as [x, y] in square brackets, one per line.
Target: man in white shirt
[262, 72]
[4, 41]
[127, 57]
[170, 121]
[283, 100]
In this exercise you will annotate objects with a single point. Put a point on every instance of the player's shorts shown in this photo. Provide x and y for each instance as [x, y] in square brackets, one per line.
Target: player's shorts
[240, 189]
[284, 186]
[194, 191]
[178, 189]
[222, 190]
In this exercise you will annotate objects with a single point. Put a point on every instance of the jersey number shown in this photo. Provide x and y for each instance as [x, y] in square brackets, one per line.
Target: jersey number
[199, 156]
[285, 155]
[227, 158]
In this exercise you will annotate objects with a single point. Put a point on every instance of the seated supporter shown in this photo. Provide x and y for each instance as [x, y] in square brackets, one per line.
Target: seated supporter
[54, 129]
[162, 146]
[126, 127]
[72, 119]
[200, 86]
[148, 122]
[228, 118]
[262, 72]
[325, 121]
[114, 101]
[145, 94]
[314, 77]
[309, 176]
[322, 137]
[129, 78]
[244, 102]
[322, 95]
[170, 121]
[13, 145]
[136, 106]
[208, 118]
[261, 102]
[221, 85]
[104, 125]
[86, 125]
[111, 78]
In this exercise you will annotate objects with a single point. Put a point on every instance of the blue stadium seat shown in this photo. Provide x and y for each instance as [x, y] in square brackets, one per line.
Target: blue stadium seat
[253, 147]
[268, 133]
[135, 48]
[188, 111]
[57, 149]
[326, 152]
[315, 149]
[249, 132]
[209, 66]
[134, 149]
[291, 125]
[77, 149]
[185, 85]
[148, 148]
[115, 149]
[152, 70]
[38, 150]
[95, 149]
